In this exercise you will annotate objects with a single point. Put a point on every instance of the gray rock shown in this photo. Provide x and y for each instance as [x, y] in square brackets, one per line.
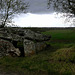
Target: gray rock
[32, 41]
[31, 47]
[28, 34]
[6, 48]
[21, 34]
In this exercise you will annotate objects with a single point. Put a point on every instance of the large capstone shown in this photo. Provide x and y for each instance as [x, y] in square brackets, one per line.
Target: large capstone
[30, 35]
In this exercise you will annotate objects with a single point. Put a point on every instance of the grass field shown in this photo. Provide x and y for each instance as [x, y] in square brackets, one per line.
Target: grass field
[59, 59]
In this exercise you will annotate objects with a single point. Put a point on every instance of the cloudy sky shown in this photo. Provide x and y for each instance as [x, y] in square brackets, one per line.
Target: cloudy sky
[39, 16]
[38, 6]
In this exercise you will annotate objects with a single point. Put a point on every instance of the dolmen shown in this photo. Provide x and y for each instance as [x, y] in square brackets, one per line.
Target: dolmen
[21, 42]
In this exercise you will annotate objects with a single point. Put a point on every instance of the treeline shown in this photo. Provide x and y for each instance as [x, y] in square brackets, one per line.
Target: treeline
[42, 29]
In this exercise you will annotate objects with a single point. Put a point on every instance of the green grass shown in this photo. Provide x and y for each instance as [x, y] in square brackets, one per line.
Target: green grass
[59, 59]
[62, 35]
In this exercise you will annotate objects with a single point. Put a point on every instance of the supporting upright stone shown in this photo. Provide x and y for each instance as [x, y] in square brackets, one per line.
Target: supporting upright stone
[29, 47]
[7, 48]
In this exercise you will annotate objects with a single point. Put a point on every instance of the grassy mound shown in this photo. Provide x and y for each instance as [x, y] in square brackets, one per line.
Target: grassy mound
[64, 55]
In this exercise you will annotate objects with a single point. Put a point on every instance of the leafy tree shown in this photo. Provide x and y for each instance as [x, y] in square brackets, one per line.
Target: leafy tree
[66, 6]
[8, 8]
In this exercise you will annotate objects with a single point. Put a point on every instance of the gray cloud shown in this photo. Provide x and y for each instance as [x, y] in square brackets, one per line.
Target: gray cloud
[38, 6]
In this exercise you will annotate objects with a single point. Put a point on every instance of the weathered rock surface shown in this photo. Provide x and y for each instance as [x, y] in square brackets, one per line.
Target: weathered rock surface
[28, 34]
[31, 47]
[7, 48]
[24, 40]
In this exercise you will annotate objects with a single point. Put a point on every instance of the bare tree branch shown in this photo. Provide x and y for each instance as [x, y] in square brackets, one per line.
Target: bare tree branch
[8, 8]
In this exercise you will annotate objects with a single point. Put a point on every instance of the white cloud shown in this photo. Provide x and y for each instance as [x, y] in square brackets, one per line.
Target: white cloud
[39, 20]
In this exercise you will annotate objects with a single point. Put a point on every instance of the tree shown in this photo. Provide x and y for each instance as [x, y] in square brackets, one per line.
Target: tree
[66, 6]
[8, 8]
